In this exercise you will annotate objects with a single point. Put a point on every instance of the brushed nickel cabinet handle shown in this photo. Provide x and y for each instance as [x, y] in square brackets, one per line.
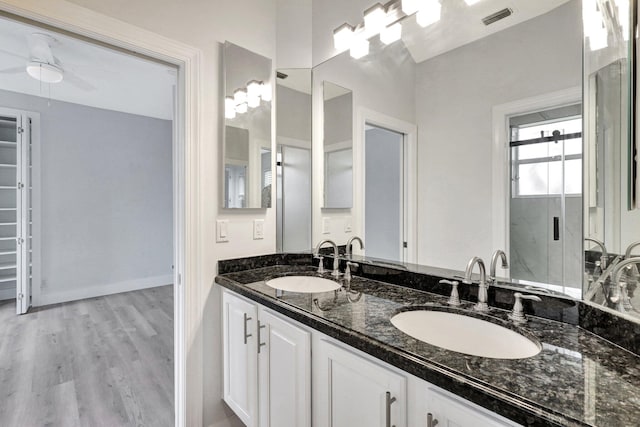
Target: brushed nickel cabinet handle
[431, 422]
[246, 320]
[260, 344]
[389, 401]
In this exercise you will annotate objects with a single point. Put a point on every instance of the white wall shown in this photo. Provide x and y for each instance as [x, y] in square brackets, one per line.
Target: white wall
[204, 24]
[455, 93]
[106, 199]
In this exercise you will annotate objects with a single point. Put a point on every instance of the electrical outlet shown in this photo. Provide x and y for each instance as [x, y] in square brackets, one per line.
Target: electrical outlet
[258, 229]
[326, 225]
[222, 230]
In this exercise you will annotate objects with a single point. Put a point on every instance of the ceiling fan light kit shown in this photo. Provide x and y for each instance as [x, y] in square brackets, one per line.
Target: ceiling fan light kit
[47, 73]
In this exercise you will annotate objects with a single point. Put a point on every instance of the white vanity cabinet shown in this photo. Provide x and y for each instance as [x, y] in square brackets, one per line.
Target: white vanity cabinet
[353, 391]
[267, 365]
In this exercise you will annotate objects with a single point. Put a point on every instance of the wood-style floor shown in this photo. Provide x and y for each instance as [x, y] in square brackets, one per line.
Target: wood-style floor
[104, 361]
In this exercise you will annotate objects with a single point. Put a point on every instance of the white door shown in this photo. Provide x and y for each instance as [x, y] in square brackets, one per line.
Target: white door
[284, 366]
[23, 215]
[351, 391]
[240, 360]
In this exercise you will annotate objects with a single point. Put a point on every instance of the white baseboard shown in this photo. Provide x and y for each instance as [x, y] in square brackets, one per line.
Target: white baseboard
[53, 297]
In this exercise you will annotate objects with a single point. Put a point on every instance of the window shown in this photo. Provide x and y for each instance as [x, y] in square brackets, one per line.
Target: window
[546, 153]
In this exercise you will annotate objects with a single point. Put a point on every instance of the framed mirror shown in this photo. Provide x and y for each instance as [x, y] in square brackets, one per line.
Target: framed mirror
[337, 113]
[247, 152]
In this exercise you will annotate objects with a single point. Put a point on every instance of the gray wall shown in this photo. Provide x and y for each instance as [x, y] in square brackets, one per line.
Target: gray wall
[338, 119]
[293, 114]
[106, 204]
[455, 94]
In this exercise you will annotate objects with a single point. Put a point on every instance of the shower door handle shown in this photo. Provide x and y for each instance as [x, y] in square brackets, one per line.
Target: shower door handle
[556, 228]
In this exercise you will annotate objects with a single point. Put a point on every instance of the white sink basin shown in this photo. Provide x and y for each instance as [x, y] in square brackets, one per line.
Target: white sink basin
[465, 334]
[303, 284]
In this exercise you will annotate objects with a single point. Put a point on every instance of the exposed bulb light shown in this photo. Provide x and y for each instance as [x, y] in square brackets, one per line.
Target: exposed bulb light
[429, 13]
[471, 2]
[266, 92]
[374, 19]
[409, 7]
[254, 89]
[391, 33]
[47, 73]
[359, 48]
[229, 108]
[342, 37]
[240, 96]
[241, 108]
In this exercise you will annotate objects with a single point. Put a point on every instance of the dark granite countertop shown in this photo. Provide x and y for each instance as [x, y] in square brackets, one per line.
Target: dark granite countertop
[577, 379]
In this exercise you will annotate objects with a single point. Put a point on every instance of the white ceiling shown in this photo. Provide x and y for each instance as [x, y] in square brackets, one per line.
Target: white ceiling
[461, 24]
[119, 82]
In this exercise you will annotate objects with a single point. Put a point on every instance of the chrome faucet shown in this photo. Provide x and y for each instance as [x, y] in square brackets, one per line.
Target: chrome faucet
[605, 255]
[336, 261]
[494, 261]
[350, 243]
[630, 248]
[482, 286]
[622, 298]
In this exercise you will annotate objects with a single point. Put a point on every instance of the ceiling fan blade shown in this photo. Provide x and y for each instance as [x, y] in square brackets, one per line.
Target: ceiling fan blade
[78, 82]
[14, 70]
[40, 48]
[16, 55]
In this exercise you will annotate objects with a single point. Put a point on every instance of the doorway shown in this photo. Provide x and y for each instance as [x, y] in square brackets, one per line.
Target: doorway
[385, 191]
[545, 203]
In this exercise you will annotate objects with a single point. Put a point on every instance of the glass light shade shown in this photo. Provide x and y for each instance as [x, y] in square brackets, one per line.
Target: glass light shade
[254, 89]
[253, 101]
[46, 73]
[374, 19]
[266, 92]
[342, 37]
[470, 2]
[359, 48]
[391, 33]
[229, 108]
[411, 6]
[429, 13]
[623, 17]
[241, 108]
[240, 96]
[598, 40]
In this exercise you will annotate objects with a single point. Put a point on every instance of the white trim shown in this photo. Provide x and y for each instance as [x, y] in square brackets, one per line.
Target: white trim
[500, 175]
[188, 303]
[106, 289]
[364, 116]
[293, 142]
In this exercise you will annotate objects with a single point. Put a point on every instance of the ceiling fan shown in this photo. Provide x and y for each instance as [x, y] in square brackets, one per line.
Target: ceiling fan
[43, 65]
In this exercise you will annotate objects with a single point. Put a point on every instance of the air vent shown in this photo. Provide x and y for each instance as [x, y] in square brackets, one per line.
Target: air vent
[495, 17]
[281, 75]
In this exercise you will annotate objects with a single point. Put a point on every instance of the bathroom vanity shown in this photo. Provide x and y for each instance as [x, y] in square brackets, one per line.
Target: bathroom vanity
[335, 359]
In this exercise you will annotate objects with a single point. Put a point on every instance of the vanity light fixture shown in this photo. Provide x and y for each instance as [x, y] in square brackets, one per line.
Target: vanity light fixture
[471, 2]
[359, 48]
[409, 7]
[229, 108]
[240, 96]
[241, 108]
[254, 89]
[595, 28]
[375, 19]
[342, 37]
[266, 92]
[391, 33]
[429, 13]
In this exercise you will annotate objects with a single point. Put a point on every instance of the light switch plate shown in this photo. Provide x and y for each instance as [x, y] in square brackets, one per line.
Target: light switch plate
[326, 225]
[222, 230]
[258, 229]
[347, 225]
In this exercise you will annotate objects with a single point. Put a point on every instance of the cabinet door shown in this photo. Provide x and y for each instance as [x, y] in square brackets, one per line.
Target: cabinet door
[240, 361]
[452, 411]
[284, 367]
[353, 391]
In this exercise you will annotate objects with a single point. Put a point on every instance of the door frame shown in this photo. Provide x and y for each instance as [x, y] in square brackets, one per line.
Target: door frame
[501, 168]
[366, 116]
[188, 310]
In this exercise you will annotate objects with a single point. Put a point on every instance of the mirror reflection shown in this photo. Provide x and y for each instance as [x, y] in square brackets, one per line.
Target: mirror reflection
[293, 161]
[247, 131]
[498, 148]
[338, 146]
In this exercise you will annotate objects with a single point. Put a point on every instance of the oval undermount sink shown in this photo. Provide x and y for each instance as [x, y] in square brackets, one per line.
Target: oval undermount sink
[303, 284]
[465, 334]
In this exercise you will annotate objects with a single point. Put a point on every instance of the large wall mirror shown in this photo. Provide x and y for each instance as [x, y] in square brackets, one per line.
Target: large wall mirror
[612, 220]
[247, 131]
[495, 114]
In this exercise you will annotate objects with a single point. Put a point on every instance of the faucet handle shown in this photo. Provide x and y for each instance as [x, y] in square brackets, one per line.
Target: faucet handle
[454, 299]
[517, 315]
[321, 269]
[347, 269]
